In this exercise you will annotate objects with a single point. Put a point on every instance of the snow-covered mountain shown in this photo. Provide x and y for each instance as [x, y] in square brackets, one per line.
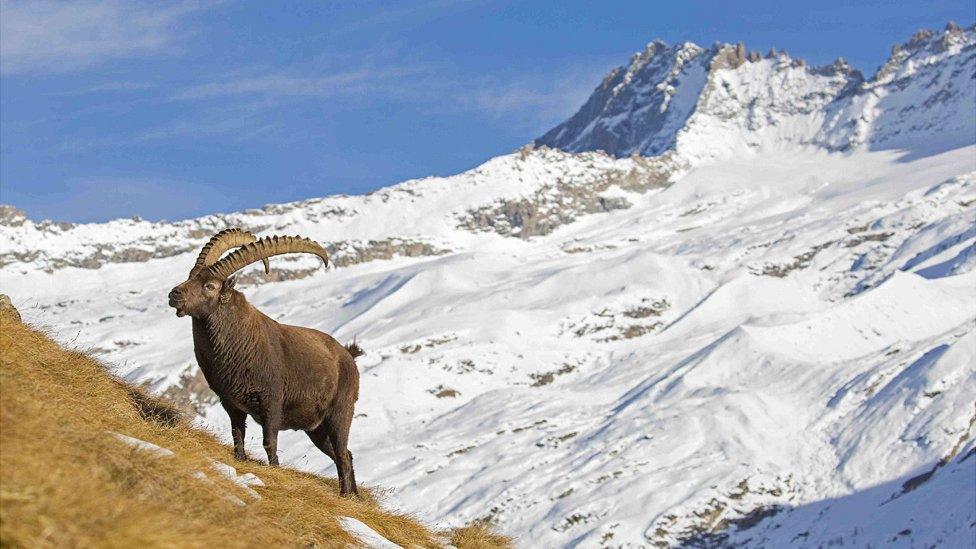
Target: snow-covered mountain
[717, 101]
[759, 330]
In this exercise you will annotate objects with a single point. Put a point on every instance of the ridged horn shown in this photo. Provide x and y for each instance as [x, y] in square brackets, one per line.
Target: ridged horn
[220, 243]
[263, 249]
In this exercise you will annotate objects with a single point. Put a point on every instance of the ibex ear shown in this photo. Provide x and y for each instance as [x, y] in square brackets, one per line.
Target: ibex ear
[226, 289]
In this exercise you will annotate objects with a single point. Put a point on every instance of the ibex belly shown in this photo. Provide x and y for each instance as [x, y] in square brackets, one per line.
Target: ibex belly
[306, 410]
[303, 417]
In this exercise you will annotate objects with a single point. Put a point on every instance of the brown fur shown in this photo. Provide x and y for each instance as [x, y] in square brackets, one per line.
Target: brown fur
[285, 377]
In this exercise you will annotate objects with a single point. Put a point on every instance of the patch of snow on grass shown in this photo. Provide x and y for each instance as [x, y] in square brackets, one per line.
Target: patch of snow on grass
[143, 445]
[245, 481]
[367, 537]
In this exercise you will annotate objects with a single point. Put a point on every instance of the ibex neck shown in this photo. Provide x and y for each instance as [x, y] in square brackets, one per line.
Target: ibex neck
[233, 330]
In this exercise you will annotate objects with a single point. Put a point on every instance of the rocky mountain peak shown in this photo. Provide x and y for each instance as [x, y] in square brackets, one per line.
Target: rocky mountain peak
[727, 56]
[668, 94]
[926, 46]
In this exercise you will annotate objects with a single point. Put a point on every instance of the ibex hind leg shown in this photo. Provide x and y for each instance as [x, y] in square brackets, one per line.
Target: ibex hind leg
[339, 435]
[352, 472]
[320, 438]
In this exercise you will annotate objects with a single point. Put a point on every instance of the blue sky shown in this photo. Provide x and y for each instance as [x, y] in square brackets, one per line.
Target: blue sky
[177, 109]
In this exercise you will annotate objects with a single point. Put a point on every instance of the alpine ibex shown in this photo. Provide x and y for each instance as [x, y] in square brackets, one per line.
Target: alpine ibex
[285, 377]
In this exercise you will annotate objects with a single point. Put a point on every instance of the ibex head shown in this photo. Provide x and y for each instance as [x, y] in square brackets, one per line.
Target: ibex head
[211, 283]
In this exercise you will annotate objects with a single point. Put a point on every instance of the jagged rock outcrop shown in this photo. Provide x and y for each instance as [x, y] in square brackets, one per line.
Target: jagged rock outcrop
[11, 216]
[138, 241]
[921, 98]
[640, 107]
[564, 200]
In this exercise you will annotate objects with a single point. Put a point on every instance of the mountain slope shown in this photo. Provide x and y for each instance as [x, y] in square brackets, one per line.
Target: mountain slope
[762, 336]
[75, 475]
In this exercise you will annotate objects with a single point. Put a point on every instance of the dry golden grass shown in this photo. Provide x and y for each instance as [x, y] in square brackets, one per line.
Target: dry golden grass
[66, 481]
[478, 535]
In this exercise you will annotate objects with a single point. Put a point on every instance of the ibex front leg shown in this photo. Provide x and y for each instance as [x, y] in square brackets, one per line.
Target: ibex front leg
[270, 424]
[238, 422]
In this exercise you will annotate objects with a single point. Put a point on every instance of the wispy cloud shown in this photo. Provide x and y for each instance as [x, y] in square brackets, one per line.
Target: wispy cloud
[46, 36]
[543, 98]
[225, 125]
[119, 86]
[246, 105]
[289, 84]
[112, 87]
[403, 12]
[236, 123]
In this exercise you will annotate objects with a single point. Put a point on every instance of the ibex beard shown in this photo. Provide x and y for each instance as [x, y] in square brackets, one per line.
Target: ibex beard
[285, 377]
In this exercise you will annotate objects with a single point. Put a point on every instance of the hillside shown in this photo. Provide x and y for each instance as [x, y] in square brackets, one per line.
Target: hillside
[759, 330]
[87, 460]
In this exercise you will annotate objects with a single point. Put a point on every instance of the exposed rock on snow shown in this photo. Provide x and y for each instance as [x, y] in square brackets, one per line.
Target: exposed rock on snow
[11, 216]
[561, 202]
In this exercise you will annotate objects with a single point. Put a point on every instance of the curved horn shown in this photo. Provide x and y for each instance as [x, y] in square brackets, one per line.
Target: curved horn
[263, 249]
[220, 243]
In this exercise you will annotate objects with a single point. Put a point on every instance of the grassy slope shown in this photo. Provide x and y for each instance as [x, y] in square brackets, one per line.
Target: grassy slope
[65, 480]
